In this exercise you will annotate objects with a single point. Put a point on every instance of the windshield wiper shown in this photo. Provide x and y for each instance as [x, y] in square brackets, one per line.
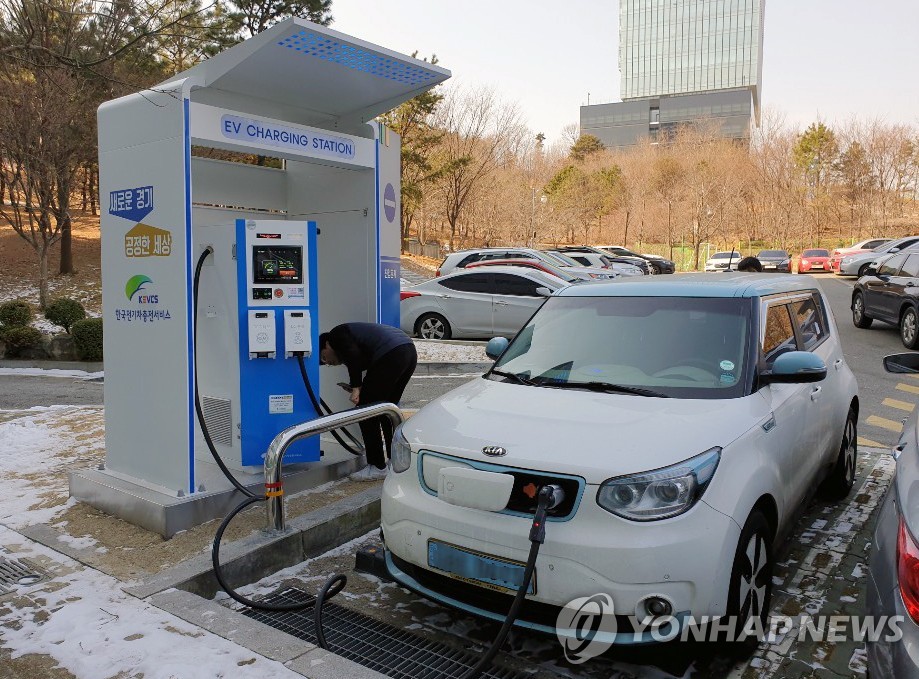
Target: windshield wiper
[514, 376]
[604, 387]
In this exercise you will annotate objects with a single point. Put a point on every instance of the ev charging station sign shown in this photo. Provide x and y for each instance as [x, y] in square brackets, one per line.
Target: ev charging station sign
[233, 130]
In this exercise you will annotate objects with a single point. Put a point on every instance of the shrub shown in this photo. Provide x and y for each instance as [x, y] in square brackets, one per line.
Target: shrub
[19, 337]
[65, 312]
[15, 314]
[87, 336]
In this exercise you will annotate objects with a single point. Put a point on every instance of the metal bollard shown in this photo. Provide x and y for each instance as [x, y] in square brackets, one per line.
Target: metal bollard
[274, 458]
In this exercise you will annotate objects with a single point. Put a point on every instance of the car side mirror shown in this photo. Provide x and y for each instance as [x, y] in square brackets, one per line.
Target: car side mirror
[902, 363]
[545, 292]
[496, 347]
[795, 367]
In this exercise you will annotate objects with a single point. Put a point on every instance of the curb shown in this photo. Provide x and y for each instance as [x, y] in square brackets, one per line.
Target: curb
[86, 366]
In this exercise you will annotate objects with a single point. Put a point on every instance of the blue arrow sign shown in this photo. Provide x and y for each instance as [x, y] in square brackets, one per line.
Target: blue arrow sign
[131, 204]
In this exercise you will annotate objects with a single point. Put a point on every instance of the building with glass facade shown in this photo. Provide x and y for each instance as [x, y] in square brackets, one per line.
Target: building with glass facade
[682, 61]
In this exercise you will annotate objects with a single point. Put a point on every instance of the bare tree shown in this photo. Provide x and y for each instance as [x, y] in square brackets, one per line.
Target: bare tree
[482, 134]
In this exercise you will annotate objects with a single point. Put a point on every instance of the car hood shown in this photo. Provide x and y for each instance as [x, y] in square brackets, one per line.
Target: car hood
[589, 434]
[772, 258]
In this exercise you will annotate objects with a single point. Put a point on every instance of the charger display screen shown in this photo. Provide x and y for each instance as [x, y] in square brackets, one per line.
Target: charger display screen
[278, 264]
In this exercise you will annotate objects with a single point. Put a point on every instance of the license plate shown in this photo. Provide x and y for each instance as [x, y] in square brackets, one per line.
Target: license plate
[818, 266]
[768, 266]
[491, 572]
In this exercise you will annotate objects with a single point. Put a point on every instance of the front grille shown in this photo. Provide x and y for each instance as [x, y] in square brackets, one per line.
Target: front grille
[527, 483]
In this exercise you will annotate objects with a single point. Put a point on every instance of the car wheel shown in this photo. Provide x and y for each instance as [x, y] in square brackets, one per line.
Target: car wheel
[858, 312]
[655, 269]
[433, 326]
[909, 328]
[750, 589]
[842, 477]
[862, 269]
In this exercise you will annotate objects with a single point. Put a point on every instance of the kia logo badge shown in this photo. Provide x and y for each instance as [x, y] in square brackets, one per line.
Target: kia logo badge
[494, 451]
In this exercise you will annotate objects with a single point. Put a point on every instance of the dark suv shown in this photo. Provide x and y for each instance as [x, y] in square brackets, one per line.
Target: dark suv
[658, 264]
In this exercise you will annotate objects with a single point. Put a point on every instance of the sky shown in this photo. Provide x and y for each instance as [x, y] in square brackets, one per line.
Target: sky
[830, 60]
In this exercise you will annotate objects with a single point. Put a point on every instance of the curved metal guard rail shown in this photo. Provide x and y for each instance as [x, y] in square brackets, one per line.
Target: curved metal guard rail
[274, 486]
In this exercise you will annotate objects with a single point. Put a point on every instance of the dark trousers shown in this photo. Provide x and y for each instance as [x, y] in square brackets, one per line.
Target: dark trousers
[384, 383]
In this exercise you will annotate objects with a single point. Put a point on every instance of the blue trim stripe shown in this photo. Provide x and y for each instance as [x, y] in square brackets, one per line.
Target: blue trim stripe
[623, 639]
[189, 307]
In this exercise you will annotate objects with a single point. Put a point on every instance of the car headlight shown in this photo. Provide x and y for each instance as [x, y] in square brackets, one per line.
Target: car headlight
[847, 260]
[660, 494]
[400, 453]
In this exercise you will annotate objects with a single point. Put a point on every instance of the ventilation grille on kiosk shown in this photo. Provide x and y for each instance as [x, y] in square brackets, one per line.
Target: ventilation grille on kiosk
[218, 417]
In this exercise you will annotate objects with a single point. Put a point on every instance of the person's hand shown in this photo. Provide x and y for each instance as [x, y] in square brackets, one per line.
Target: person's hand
[355, 395]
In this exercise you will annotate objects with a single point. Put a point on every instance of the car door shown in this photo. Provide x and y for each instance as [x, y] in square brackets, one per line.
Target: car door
[875, 289]
[909, 274]
[792, 440]
[828, 398]
[467, 303]
[515, 300]
[885, 294]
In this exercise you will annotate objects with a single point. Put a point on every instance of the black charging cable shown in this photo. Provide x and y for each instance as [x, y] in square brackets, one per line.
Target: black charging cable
[327, 411]
[548, 496]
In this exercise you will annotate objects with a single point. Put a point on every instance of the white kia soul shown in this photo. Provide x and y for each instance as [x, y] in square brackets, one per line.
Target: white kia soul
[685, 421]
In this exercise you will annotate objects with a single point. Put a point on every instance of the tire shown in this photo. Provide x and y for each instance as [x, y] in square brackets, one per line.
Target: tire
[655, 270]
[433, 326]
[842, 477]
[862, 269]
[859, 319]
[909, 328]
[750, 589]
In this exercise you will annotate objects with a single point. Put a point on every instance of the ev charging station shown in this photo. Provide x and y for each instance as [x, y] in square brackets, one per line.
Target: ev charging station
[217, 275]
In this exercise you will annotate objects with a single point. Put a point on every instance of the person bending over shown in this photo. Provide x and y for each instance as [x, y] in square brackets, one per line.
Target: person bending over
[380, 361]
[750, 264]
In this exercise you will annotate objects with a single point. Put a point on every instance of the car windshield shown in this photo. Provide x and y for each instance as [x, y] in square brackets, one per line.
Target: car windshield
[815, 253]
[725, 255]
[563, 260]
[679, 347]
[772, 253]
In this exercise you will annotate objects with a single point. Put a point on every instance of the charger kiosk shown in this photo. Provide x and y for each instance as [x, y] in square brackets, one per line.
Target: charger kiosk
[296, 248]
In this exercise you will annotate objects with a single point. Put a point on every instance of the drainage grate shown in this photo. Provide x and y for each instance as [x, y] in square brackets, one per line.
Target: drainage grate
[371, 643]
[14, 572]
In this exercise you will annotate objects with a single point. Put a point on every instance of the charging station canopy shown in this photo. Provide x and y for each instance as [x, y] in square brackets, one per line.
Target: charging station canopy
[299, 92]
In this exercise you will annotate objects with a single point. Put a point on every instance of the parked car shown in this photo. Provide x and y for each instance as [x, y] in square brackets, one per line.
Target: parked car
[722, 261]
[462, 258]
[475, 303]
[893, 566]
[890, 294]
[557, 271]
[862, 246]
[814, 260]
[775, 260]
[659, 265]
[609, 263]
[857, 264]
[575, 250]
[724, 417]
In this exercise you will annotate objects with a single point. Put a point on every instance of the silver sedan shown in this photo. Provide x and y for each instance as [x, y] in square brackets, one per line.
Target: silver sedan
[476, 303]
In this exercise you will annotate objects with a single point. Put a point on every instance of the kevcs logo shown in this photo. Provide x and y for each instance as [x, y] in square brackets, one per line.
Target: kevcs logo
[136, 285]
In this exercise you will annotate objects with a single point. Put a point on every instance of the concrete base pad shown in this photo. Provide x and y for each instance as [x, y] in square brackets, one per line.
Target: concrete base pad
[167, 512]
